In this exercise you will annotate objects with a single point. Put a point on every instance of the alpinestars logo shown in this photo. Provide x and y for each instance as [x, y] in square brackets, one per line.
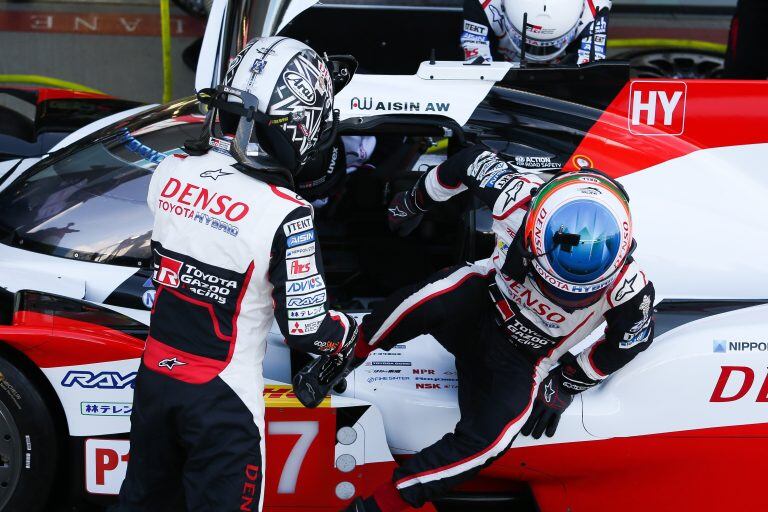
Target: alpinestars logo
[214, 175]
[549, 390]
[170, 363]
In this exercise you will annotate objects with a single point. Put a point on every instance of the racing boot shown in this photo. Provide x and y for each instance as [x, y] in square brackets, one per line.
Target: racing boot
[324, 373]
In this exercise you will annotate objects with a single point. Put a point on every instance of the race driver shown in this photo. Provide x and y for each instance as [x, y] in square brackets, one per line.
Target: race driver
[557, 31]
[234, 248]
[562, 265]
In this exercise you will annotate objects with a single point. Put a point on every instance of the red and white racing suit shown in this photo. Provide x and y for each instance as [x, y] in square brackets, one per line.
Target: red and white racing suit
[505, 335]
[231, 254]
[486, 32]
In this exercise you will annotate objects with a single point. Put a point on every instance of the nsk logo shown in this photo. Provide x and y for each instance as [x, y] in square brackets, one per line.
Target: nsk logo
[168, 273]
[304, 285]
[301, 238]
[295, 226]
[307, 300]
[657, 107]
[101, 380]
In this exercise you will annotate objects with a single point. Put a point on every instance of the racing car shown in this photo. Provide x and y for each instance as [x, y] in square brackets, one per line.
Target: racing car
[74, 260]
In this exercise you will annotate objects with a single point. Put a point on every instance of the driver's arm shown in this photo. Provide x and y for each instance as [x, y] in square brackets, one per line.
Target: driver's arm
[299, 292]
[476, 32]
[475, 169]
[595, 21]
[629, 331]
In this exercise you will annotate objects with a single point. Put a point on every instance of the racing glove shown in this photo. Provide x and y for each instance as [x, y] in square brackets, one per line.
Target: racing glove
[404, 212]
[313, 382]
[554, 396]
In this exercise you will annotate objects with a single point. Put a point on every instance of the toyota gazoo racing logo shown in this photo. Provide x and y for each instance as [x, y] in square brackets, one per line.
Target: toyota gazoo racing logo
[98, 380]
[300, 87]
[167, 272]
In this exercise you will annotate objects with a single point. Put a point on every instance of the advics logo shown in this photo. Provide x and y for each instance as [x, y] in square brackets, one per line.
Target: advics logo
[657, 107]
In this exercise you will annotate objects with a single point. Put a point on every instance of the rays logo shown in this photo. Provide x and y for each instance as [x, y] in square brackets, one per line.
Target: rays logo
[300, 87]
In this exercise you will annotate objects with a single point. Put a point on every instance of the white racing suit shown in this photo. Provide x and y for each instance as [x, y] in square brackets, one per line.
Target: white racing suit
[231, 253]
[505, 335]
[486, 32]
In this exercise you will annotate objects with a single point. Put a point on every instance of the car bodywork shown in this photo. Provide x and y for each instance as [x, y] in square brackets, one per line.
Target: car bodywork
[689, 154]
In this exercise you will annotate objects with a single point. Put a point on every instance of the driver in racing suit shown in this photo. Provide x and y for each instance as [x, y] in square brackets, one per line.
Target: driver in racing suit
[510, 319]
[560, 31]
[233, 249]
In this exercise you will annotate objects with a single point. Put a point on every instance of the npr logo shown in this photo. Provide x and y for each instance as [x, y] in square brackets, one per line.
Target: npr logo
[657, 107]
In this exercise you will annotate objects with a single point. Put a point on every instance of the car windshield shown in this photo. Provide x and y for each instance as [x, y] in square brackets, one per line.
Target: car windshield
[91, 204]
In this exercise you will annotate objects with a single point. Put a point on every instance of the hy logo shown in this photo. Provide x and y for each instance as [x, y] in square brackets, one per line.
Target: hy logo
[719, 346]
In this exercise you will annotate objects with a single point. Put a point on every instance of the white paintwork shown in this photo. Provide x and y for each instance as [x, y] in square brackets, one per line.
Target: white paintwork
[208, 66]
[668, 387]
[79, 279]
[72, 397]
[98, 125]
[452, 70]
[454, 98]
[700, 223]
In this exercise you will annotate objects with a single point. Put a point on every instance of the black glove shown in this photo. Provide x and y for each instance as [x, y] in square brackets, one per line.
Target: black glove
[313, 382]
[404, 213]
[552, 399]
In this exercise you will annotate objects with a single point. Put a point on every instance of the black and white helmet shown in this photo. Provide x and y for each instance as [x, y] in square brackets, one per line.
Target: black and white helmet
[275, 104]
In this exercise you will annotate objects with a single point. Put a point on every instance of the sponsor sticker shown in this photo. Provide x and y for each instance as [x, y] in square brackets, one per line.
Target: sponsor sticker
[99, 380]
[300, 267]
[306, 300]
[295, 226]
[657, 107]
[303, 286]
[309, 326]
[106, 408]
[106, 461]
[302, 250]
[168, 272]
[301, 238]
[475, 28]
[298, 314]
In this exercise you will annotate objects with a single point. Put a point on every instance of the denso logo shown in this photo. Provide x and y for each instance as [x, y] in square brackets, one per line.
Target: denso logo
[523, 298]
[101, 380]
[735, 382]
[657, 107]
[200, 197]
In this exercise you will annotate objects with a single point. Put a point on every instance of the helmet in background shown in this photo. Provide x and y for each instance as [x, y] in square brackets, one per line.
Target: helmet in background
[552, 26]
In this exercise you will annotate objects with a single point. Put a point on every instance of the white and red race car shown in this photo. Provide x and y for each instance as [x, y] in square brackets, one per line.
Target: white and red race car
[683, 426]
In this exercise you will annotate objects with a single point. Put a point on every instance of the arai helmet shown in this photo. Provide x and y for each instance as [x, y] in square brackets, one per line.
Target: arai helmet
[578, 232]
[551, 27]
[276, 104]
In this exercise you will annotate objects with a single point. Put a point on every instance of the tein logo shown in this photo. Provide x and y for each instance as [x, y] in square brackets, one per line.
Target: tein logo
[657, 107]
